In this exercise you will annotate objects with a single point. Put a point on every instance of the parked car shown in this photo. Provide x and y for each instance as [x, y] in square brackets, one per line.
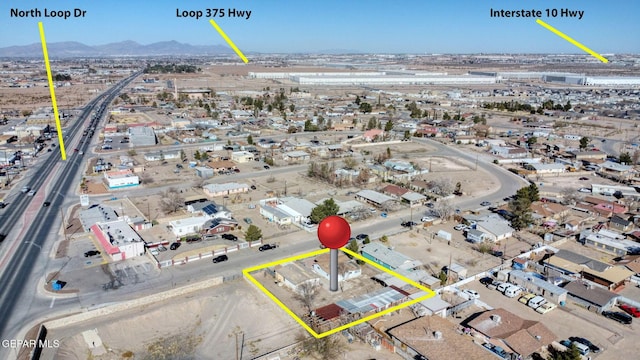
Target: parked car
[266, 167]
[220, 258]
[193, 239]
[633, 311]
[408, 224]
[472, 293]
[361, 236]
[546, 307]
[267, 247]
[584, 341]
[486, 281]
[161, 248]
[526, 297]
[210, 237]
[253, 187]
[91, 253]
[618, 316]
[174, 246]
[485, 203]
[459, 227]
[229, 237]
[536, 301]
[584, 190]
[248, 220]
[583, 178]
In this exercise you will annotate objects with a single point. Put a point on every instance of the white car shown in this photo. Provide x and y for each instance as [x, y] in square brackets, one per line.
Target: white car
[459, 227]
[584, 190]
[472, 293]
[31, 193]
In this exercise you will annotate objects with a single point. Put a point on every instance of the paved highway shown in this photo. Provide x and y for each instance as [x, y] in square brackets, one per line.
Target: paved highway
[29, 225]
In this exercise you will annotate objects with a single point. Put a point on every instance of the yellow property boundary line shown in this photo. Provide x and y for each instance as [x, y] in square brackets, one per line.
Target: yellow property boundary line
[247, 271]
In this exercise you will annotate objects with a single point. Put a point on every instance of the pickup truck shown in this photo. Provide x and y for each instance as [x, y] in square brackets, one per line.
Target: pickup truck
[267, 247]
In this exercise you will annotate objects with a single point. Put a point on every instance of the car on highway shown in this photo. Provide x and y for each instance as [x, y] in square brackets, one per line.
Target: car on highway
[25, 189]
[31, 193]
[594, 348]
[174, 246]
[46, 204]
[229, 237]
[91, 253]
[220, 258]
[267, 247]
[618, 316]
[2, 205]
[485, 203]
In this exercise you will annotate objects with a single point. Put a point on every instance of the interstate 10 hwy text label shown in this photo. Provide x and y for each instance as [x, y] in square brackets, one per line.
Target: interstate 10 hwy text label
[533, 13]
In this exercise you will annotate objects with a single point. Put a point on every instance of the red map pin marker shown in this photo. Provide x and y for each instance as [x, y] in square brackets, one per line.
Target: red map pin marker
[334, 232]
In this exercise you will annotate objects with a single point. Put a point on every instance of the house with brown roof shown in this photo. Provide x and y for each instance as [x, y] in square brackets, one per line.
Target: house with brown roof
[511, 332]
[631, 262]
[394, 191]
[434, 338]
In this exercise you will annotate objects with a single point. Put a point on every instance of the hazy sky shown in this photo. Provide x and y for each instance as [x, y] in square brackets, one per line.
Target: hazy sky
[421, 26]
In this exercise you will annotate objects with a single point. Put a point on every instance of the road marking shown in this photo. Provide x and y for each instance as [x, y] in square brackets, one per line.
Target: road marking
[579, 45]
[53, 300]
[54, 103]
[226, 38]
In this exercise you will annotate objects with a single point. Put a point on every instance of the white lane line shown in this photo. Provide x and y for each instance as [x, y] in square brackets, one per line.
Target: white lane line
[53, 300]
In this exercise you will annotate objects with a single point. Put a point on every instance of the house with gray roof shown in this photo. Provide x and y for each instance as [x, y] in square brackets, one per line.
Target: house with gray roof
[373, 197]
[388, 258]
[495, 228]
[590, 296]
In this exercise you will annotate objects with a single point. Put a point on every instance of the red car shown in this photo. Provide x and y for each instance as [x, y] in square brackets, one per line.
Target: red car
[635, 312]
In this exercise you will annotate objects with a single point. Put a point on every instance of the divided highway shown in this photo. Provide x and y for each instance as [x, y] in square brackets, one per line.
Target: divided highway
[16, 267]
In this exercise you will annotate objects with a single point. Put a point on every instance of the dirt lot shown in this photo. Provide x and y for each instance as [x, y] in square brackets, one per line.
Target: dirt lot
[212, 317]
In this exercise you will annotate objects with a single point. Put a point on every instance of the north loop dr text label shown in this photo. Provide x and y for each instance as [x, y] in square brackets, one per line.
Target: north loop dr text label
[48, 13]
[533, 13]
[219, 13]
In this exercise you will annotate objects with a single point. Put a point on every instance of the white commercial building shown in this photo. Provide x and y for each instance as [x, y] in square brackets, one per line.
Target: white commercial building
[188, 226]
[118, 239]
[120, 179]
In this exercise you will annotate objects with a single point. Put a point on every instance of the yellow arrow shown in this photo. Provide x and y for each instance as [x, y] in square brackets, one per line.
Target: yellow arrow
[54, 103]
[226, 38]
[582, 47]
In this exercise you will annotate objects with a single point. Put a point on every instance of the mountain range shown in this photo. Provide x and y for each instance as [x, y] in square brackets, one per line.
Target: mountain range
[125, 48]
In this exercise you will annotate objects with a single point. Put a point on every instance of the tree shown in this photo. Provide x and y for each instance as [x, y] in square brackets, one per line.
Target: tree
[572, 353]
[388, 126]
[365, 107]
[172, 200]
[357, 101]
[250, 139]
[458, 190]
[532, 140]
[584, 142]
[327, 348]
[570, 196]
[443, 209]
[625, 158]
[253, 233]
[306, 294]
[520, 206]
[327, 208]
[350, 163]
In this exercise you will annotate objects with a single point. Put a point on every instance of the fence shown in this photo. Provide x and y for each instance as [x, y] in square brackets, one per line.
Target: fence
[206, 255]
